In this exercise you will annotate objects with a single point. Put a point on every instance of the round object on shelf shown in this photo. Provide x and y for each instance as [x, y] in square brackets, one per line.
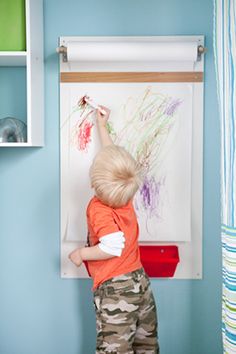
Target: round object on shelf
[12, 130]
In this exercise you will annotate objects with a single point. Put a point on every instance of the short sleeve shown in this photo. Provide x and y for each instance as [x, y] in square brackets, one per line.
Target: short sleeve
[102, 221]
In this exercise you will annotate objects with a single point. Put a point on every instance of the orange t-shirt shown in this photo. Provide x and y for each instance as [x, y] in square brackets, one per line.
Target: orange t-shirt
[103, 220]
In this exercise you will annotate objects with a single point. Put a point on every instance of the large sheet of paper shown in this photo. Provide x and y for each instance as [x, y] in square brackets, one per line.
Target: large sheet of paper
[154, 123]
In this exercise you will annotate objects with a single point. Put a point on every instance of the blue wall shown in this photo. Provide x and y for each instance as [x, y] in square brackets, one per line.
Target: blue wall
[41, 313]
[13, 93]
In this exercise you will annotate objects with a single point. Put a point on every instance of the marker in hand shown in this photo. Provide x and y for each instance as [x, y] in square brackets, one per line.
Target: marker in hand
[93, 104]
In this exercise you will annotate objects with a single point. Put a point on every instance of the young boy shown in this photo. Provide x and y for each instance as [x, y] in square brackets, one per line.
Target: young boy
[124, 304]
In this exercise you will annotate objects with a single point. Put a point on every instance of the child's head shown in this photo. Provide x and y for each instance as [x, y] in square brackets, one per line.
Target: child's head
[115, 176]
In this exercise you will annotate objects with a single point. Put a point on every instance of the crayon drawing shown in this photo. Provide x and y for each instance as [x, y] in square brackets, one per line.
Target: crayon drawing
[154, 123]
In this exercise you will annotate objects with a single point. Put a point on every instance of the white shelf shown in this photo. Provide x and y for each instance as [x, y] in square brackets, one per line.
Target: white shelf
[13, 58]
[18, 145]
[33, 60]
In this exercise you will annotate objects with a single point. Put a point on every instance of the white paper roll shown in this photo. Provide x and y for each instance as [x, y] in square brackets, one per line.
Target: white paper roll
[132, 51]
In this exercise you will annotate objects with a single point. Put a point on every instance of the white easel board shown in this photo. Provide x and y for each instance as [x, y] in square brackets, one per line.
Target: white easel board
[169, 204]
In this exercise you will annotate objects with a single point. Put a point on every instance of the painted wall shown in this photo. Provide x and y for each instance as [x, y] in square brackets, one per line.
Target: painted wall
[41, 313]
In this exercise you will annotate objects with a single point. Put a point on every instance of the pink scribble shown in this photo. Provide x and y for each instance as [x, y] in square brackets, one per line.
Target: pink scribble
[81, 132]
[84, 135]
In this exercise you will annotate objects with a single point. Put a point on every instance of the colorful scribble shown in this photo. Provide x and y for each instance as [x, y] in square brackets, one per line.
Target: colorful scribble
[148, 124]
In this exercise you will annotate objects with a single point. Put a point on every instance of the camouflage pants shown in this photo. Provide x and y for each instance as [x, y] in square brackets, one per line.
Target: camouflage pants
[126, 317]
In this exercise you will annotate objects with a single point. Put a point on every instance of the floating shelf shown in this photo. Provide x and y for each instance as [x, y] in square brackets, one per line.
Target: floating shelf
[13, 58]
[15, 145]
[32, 59]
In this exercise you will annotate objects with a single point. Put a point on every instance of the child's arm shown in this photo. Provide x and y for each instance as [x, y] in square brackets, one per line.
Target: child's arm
[102, 129]
[109, 246]
[88, 254]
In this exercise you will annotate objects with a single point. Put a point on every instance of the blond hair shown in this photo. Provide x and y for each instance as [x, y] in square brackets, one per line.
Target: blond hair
[115, 176]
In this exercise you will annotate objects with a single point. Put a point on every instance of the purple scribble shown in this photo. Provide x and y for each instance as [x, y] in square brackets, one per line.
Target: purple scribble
[149, 197]
[172, 106]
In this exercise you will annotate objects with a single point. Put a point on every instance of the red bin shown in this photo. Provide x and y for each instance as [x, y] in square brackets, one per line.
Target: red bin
[159, 261]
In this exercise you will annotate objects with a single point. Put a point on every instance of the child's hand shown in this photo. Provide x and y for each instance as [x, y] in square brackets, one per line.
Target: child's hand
[102, 118]
[102, 129]
[75, 257]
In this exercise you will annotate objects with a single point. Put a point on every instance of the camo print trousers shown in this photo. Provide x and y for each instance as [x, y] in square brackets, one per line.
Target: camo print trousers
[126, 318]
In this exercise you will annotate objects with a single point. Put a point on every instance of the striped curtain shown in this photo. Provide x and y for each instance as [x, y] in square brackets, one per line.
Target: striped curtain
[225, 60]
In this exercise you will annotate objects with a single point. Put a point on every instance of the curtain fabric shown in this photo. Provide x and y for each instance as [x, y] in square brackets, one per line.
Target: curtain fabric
[225, 60]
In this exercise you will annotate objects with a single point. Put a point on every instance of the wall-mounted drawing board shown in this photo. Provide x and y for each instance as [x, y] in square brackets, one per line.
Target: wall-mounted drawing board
[156, 104]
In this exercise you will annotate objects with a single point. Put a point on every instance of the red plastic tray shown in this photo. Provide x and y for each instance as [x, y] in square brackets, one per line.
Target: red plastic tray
[159, 261]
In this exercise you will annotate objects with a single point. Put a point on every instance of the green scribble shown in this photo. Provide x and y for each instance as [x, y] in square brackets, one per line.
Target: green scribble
[110, 128]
